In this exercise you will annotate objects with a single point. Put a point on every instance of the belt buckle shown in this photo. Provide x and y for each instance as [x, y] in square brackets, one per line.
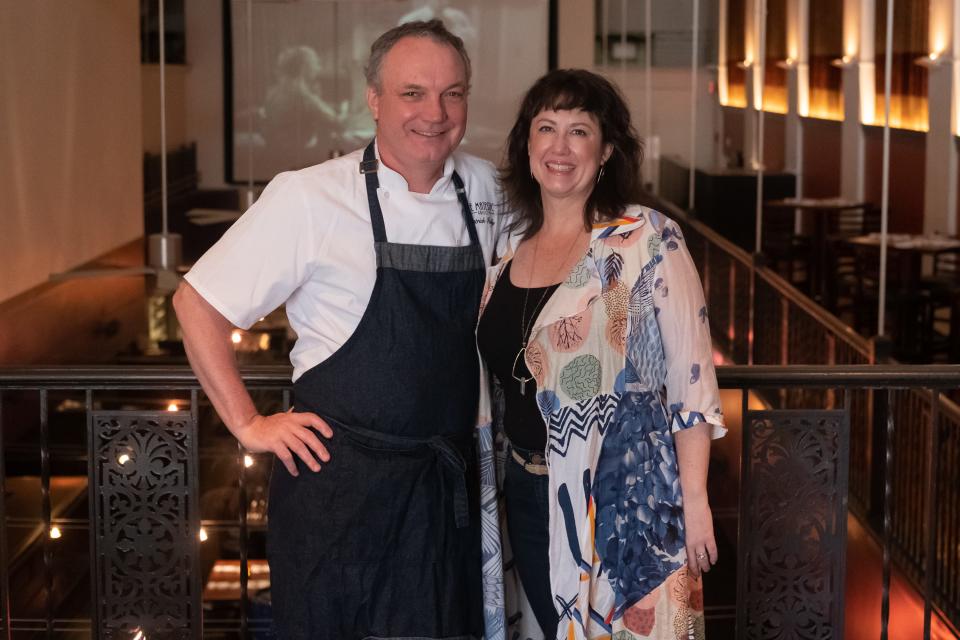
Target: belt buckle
[537, 465]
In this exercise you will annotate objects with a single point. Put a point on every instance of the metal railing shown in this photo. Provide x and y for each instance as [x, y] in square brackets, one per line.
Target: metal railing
[133, 444]
[757, 317]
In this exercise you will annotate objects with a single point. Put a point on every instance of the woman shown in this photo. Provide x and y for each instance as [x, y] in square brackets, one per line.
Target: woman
[595, 331]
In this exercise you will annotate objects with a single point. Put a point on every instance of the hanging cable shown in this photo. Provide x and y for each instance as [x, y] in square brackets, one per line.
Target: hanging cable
[249, 103]
[694, 63]
[163, 130]
[761, 70]
[885, 190]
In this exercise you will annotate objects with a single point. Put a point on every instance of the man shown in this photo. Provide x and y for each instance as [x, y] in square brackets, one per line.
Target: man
[379, 257]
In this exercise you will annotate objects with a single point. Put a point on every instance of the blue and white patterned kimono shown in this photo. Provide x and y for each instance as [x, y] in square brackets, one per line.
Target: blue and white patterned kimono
[623, 359]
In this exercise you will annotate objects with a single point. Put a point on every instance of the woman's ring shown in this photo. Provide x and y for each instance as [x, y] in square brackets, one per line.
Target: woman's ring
[701, 556]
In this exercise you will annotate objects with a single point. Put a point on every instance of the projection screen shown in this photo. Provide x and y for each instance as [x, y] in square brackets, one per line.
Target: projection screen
[295, 90]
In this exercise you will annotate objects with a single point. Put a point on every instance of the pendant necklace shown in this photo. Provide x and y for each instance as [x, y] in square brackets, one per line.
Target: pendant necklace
[526, 324]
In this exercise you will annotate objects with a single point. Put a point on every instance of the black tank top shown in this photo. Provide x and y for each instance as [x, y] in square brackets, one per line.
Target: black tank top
[499, 336]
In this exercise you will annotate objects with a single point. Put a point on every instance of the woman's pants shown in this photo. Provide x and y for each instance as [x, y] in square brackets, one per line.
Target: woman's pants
[527, 522]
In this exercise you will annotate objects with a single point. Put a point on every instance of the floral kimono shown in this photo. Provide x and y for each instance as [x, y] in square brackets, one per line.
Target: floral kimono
[622, 357]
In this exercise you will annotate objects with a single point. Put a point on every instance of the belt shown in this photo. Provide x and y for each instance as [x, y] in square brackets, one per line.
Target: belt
[447, 454]
[534, 467]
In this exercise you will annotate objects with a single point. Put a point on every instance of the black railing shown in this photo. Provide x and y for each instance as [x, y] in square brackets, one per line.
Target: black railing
[758, 317]
[152, 478]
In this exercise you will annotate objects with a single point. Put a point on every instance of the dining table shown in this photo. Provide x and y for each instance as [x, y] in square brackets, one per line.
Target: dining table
[818, 219]
[908, 252]
[912, 298]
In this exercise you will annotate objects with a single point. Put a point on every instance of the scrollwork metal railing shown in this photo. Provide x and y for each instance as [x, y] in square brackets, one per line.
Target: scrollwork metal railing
[154, 480]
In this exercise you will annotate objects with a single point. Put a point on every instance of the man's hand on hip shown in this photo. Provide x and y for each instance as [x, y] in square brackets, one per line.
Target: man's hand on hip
[287, 434]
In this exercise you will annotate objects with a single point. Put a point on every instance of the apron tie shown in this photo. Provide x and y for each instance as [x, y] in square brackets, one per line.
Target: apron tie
[454, 469]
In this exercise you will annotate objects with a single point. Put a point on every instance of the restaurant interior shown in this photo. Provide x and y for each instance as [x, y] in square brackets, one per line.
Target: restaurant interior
[807, 148]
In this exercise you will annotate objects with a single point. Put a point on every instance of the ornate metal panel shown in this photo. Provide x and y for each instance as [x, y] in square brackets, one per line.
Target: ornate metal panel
[145, 518]
[793, 523]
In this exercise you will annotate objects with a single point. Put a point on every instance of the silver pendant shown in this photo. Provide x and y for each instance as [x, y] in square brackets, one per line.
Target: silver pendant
[513, 372]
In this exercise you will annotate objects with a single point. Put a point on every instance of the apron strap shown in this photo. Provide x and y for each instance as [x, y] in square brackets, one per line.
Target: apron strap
[465, 208]
[369, 168]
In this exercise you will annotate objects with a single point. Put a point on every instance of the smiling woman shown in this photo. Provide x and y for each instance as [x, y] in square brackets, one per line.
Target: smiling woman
[599, 306]
[567, 153]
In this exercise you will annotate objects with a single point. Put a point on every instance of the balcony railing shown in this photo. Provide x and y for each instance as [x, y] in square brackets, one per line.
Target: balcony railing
[129, 555]
[113, 474]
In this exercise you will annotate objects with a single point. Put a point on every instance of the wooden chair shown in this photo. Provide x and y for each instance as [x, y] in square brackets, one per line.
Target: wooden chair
[787, 252]
[909, 307]
[944, 286]
[841, 280]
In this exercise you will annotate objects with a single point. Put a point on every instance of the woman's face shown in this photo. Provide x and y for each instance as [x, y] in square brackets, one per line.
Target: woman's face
[566, 150]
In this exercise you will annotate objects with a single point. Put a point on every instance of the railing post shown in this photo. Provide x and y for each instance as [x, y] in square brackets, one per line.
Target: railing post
[887, 494]
[751, 336]
[930, 515]
[243, 540]
[47, 511]
[4, 558]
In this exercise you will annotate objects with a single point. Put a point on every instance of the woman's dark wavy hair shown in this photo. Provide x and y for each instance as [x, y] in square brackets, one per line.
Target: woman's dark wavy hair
[564, 90]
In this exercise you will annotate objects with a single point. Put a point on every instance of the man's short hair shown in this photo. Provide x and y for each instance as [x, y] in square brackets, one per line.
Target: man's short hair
[433, 29]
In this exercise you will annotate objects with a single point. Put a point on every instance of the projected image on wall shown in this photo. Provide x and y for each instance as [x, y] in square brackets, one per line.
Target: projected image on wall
[298, 87]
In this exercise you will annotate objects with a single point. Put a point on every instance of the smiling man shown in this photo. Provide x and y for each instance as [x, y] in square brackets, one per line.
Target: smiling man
[373, 513]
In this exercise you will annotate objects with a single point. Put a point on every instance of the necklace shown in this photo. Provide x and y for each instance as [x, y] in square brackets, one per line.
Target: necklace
[526, 324]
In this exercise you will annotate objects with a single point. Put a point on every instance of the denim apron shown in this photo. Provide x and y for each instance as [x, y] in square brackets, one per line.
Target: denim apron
[384, 542]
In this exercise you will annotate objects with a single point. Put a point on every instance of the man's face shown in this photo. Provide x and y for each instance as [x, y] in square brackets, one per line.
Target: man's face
[421, 108]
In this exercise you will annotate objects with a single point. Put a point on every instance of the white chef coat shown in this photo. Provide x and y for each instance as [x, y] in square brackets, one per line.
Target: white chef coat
[308, 242]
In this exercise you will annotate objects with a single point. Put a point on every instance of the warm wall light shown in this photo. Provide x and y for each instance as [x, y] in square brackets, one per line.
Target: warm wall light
[789, 63]
[746, 63]
[173, 407]
[933, 59]
[843, 62]
[55, 533]
[203, 534]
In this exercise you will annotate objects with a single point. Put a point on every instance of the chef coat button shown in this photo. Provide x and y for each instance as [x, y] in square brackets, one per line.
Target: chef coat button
[386, 194]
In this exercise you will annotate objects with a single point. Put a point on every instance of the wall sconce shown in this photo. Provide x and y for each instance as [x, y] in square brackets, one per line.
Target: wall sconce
[745, 64]
[789, 63]
[843, 63]
[933, 59]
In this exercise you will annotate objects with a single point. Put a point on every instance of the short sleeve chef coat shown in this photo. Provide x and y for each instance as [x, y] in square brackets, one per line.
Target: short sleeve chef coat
[308, 242]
